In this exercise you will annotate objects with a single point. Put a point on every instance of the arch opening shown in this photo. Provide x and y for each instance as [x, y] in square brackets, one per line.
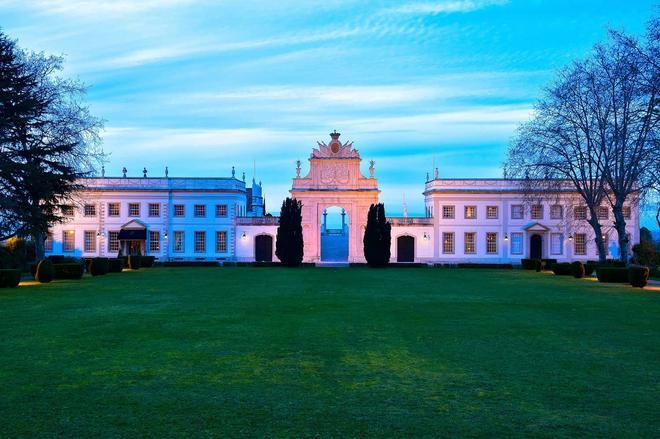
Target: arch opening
[334, 229]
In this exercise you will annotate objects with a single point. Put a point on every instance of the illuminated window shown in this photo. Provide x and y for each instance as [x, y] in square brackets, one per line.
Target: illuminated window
[580, 212]
[154, 241]
[113, 209]
[133, 209]
[113, 242]
[556, 243]
[470, 243]
[580, 244]
[220, 210]
[516, 243]
[154, 209]
[89, 241]
[606, 243]
[517, 211]
[179, 210]
[200, 242]
[221, 241]
[448, 242]
[602, 212]
[178, 241]
[67, 210]
[556, 212]
[626, 212]
[537, 211]
[68, 240]
[491, 242]
[90, 209]
[48, 243]
[200, 210]
[448, 212]
[491, 212]
[470, 212]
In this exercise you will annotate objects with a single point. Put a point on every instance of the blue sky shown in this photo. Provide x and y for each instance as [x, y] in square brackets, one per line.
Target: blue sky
[200, 86]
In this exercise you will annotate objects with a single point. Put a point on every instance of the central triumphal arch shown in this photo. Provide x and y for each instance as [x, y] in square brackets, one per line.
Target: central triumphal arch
[334, 179]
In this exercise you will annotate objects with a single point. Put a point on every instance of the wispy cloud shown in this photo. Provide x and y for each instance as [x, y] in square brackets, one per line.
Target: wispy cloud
[445, 7]
[101, 7]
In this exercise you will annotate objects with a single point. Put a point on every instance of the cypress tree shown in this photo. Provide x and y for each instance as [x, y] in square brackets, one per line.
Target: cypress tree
[289, 246]
[377, 237]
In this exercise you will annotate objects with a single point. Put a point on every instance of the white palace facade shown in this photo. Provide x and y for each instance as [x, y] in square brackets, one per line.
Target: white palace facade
[222, 219]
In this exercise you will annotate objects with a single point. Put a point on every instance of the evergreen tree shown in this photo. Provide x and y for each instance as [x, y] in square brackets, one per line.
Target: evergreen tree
[377, 237]
[289, 246]
[47, 141]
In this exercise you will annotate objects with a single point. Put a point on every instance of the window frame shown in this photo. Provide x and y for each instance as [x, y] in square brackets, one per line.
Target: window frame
[497, 212]
[473, 243]
[130, 206]
[580, 213]
[154, 248]
[111, 242]
[491, 240]
[514, 208]
[110, 212]
[539, 213]
[519, 236]
[452, 242]
[218, 247]
[157, 209]
[66, 208]
[176, 207]
[92, 240]
[559, 236]
[202, 213]
[582, 237]
[448, 212]
[176, 234]
[218, 211]
[465, 212]
[92, 208]
[552, 212]
[195, 241]
[66, 233]
[48, 242]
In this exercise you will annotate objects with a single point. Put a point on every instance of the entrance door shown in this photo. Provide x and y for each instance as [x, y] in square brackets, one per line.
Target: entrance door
[405, 249]
[263, 248]
[536, 247]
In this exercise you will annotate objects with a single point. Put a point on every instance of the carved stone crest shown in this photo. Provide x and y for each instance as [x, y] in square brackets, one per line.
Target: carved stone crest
[333, 173]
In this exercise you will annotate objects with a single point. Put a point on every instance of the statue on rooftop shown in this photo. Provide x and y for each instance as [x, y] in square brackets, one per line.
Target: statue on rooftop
[124, 171]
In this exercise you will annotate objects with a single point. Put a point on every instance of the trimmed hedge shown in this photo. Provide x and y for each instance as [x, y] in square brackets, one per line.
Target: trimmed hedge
[115, 265]
[485, 265]
[45, 271]
[589, 268]
[98, 266]
[638, 276]
[147, 261]
[68, 271]
[134, 262]
[577, 269]
[530, 264]
[562, 269]
[548, 263]
[612, 274]
[10, 277]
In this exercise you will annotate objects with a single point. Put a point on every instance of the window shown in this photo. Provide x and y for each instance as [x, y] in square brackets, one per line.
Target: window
[556, 212]
[200, 210]
[491, 243]
[113, 209]
[154, 240]
[516, 243]
[178, 242]
[220, 210]
[221, 241]
[200, 242]
[556, 243]
[448, 212]
[179, 210]
[448, 242]
[67, 210]
[517, 211]
[580, 244]
[90, 241]
[470, 243]
[602, 212]
[68, 240]
[113, 242]
[48, 243]
[580, 212]
[470, 212]
[133, 209]
[154, 209]
[537, 211]
[90, 209]
[626, 212]
[491, 212]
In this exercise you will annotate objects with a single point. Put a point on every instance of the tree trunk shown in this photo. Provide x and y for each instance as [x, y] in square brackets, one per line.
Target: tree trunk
[620, 226]
[657, 216]
[595, 225]
[39, 247]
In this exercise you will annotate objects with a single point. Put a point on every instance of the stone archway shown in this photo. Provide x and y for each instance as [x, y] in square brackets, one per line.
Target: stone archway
[405, 248]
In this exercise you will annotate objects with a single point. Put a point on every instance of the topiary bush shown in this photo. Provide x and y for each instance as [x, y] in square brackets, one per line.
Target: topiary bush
[638, 276]
[68, 271]
[147, 261]
[562, 269]
[612, 274]
[45, 271]
[10, 277]
[57, 259]
[98, 266]
[529, 264]
[115, 265]
[589, 268]
[134, 262]
[577, 269]
[548, 263]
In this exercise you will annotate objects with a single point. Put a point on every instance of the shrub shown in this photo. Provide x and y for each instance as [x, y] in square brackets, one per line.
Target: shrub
[645, 253]
[548, 263]
[562, 269]
[68, 270]
[115, 265]
[45, 271]
[479, 265]
[10, 277]
[98, 266]
[56, 259]
[612, 274]
[577, 269]
[134, 262]
[638, 276]
[529, 264]
[589, 268]
[147, 261]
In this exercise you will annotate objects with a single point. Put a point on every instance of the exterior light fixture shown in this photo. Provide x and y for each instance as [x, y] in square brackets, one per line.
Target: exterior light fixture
[427, 236]
[98, 234]
[165, 235]
[506, 237]
[244, 236]
[570, 237]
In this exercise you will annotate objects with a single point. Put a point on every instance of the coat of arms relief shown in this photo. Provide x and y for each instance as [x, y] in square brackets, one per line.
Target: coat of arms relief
[335, 173]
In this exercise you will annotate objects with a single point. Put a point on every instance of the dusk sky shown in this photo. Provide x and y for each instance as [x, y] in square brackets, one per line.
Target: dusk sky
[200, 86]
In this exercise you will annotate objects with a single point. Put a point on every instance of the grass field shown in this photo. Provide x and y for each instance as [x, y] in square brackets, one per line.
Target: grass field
[329, 352]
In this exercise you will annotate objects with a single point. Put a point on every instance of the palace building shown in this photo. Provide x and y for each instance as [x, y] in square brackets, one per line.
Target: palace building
[221, 219]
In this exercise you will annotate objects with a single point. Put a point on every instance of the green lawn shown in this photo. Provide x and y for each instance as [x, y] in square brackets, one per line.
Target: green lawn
[329, 352]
